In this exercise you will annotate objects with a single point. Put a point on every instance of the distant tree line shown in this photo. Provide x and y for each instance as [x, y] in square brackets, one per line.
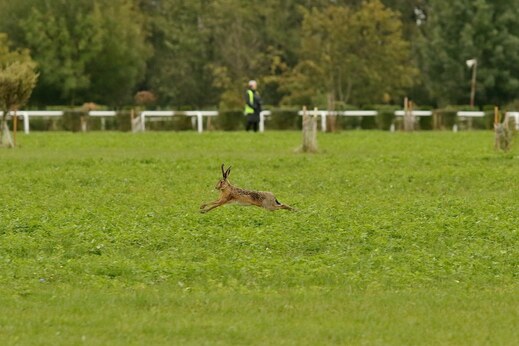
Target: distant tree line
[200, 53]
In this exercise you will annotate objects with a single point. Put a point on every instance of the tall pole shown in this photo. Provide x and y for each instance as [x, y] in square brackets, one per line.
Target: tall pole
[473, 83]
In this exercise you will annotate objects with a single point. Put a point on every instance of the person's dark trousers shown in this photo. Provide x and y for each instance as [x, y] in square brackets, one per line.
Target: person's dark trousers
[252, 122]
[252, 125]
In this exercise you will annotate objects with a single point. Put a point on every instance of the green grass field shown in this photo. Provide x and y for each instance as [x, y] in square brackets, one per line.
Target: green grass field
[399, 239]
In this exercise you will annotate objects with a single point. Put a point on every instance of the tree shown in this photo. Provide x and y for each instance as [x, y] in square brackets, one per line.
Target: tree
[17, 80]
[178, 72]
[352, 55]
[239, 51]
[87, 50]
[456, 31]
[64, 37]
[120, 66]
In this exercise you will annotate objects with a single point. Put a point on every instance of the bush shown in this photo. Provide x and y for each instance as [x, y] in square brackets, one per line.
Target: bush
[386, 115]
[284, 119]
[448, 118]
[231, 120]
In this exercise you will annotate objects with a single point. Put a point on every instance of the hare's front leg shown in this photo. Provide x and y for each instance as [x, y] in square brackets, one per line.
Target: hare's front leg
[212, 205]
[287, 207]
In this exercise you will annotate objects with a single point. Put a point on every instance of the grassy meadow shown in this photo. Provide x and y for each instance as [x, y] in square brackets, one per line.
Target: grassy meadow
[399, 239]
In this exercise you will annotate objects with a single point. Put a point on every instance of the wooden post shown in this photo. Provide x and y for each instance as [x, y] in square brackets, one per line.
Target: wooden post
[408, 115]
[209, 127]
[411, 116]
[406, 104]
[496, 115]
[473, 83]
[15, 125]
[132, 124]
[83, 123]
[436, 122]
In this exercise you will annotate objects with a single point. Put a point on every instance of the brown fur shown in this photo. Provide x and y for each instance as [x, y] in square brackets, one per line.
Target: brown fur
[230, 193]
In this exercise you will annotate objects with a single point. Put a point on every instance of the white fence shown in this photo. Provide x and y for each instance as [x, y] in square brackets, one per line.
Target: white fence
[468, 116]
[139, 123]
[102, 115]
[26, 115]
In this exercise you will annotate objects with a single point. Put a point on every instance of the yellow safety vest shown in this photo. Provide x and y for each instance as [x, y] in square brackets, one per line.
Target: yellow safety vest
[249, 109]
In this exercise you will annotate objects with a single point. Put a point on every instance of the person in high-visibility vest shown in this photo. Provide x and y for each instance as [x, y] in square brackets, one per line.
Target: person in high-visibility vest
[252, 106]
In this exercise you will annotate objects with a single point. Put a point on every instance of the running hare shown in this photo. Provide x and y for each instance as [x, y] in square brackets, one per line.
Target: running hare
[229, 193]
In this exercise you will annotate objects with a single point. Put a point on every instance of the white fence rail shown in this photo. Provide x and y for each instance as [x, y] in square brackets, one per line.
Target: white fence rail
[414, 113]
[470, 114]
[324, 114]
[198, 115]
[102, 114]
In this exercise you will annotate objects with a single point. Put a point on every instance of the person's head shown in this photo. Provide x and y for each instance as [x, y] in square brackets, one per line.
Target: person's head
[253, 85]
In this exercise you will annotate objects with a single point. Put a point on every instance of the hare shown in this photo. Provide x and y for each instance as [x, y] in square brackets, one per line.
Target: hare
[229, 193]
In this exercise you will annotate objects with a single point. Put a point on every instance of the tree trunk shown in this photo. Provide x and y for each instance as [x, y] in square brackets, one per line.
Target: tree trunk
[5, 135]
[408, 116]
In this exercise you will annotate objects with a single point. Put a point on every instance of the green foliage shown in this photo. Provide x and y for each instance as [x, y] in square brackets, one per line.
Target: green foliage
[230, 120]
[121, 62]
[17, 76]
[352, 55]
[199, 54]
[8, 55]
[17, 80]
[64, 38]
[177, 71]
[460, 30]
[386, 115]
[87, 50]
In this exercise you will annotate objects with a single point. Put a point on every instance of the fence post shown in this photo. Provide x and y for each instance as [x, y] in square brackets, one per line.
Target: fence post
[143, 121]
[323, 120]
[26, 122]
[262, 122]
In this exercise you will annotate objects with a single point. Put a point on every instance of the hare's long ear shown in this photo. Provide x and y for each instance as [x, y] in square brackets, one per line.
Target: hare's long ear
[223, 172]
[227, 172]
